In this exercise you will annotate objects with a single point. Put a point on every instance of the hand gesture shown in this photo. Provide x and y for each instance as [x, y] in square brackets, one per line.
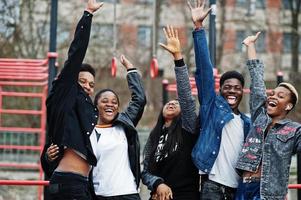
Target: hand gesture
[125, 62]
[173, 45]
[52, 152]
[163, 192]
[93, 6]
[251, 39]
[199, 13]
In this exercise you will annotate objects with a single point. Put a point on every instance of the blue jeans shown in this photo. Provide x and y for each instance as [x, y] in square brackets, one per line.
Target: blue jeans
[248, 191]
[69, 186]
[211, 190]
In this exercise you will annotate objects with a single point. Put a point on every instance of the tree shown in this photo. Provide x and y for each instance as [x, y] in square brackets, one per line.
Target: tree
[294, 6]
[24, 28]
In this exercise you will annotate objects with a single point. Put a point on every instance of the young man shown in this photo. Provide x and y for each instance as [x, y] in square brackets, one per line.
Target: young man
[222, 126]
[71, 117]
[266, 156]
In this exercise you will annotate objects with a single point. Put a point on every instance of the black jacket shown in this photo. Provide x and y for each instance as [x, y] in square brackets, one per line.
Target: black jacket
[71, 114]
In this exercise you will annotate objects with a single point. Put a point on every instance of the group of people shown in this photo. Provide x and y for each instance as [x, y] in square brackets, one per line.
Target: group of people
[219, 153]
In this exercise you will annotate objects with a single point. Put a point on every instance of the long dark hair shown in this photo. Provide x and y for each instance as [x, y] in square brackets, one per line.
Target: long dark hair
[174, 138]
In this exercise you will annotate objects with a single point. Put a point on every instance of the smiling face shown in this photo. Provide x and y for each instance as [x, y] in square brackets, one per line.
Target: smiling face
[232, 91]
[171, 109]
[86, 81]
[107, 105]
[279, 102]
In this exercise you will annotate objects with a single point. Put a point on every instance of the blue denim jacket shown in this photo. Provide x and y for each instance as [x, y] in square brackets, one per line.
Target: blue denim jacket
[276, 149]
[214, 113]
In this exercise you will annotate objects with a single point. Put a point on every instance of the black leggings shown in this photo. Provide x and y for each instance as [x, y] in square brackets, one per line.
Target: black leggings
[121, 197]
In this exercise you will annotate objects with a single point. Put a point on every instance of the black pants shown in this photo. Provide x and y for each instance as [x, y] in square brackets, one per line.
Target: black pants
[69, 186]
[211, 190]
[121, 197]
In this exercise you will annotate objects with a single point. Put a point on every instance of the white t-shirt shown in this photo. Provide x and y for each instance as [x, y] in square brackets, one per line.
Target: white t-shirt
[112, 175]
[223, 170]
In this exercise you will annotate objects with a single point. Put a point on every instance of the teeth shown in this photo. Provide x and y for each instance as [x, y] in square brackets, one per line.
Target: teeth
[108, 110]
[231, 99]
[271, 103]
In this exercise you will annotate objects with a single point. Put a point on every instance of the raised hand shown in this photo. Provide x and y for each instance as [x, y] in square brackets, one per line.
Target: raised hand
[52, 152]
[125, 62]
[173, 45]
[93, 6]
[250, 43]
[251, 39]
[198, 13]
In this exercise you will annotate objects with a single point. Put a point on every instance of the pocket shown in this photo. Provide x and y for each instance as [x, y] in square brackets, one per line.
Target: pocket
[284, 144]
[285, 137]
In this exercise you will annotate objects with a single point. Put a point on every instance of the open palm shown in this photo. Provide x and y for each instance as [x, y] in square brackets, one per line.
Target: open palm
[172, 40]
[198, 13]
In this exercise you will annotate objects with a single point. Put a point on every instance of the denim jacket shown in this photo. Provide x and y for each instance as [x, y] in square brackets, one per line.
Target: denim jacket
[214, 112]
[276, 149]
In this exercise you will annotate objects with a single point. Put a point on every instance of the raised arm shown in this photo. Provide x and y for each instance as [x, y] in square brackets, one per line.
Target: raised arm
[204, 70]
[256, 69]
[186, 100]
[79, 45]
[136, 105]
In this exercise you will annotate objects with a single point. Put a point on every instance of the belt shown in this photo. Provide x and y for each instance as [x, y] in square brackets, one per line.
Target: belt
[250, 179]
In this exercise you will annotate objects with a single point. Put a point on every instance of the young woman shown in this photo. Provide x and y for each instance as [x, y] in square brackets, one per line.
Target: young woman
[168, 169]
[115, 142]
[273, 139]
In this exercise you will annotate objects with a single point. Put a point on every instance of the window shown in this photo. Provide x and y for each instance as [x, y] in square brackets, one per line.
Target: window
[102, 33]
[260, 4]
[286, 4]
[144, 36]
[241, 3]
[240, 36]
[145, 1]
[110, 1]
[260, 43]
[287, 45]
[63, 33]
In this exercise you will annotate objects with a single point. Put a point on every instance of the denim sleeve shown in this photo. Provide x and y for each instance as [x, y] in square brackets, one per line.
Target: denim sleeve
[77, 50]
[136, 105]
[257, 88]
[148, 178]
[204, 69]
[186, 100]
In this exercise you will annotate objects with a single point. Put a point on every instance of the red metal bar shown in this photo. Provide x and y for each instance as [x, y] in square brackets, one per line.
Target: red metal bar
[22, 94]
[21, 166]
[294, 186]
[40, 78]
[23, 182]
[21, 112]
[19, 147]
[24, 84]
[23, 70]
[0, 105]
[14, 62]
[21, 129]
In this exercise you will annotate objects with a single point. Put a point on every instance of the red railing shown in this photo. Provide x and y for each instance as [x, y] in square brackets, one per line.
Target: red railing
[23, 79]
